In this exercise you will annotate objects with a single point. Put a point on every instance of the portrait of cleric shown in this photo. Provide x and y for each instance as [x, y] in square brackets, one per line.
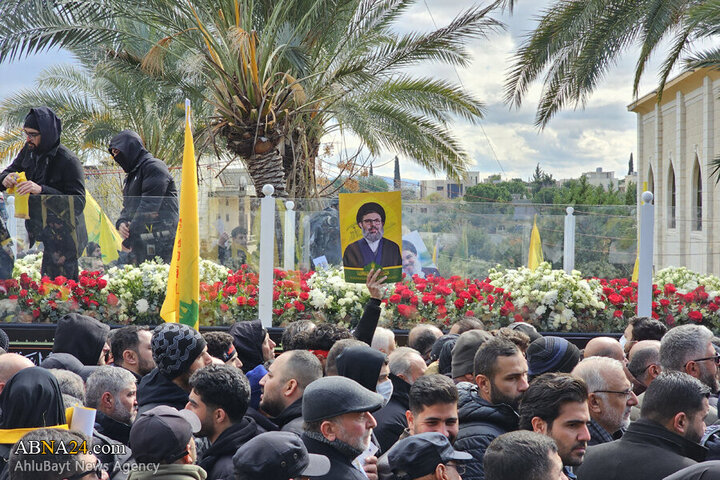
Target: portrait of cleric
[411, 262]
[372, 247]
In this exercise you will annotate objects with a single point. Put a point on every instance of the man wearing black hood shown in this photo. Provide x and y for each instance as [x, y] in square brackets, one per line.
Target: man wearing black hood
[149, 216]
[56, 173]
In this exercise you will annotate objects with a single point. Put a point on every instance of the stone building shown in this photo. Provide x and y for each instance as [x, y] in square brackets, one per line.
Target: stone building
[677, 139]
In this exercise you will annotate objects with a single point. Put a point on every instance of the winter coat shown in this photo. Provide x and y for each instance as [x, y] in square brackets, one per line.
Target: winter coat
[217, 460]
[341, 467]
[480, 423]
[171, 472]
[62, 179]
[391, 420]
[157, 389]
[290, 420]
[647, 450]
[150, 198]
[248, 338]
[702, 471]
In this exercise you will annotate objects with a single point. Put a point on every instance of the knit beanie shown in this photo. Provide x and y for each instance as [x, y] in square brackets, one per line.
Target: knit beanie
[551, 354]
[4, 341]
[175, 347]
[31, 121]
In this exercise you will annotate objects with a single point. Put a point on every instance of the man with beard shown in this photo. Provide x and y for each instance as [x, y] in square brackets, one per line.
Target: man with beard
[663, 441]
[149, 216]
[487, 408]
[53, 171]
[556, 405]
[112, 392]
[610, 397]
[132, 351]
[220, 397]
[338, 424]
[372, 248]
[689, 349]
[283, 388]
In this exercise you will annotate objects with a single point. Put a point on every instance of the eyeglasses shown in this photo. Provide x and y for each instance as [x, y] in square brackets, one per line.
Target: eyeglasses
[715, 358]
[31, 134]
[627, 392]
[370, 222]
[97, 470]
[458, 467]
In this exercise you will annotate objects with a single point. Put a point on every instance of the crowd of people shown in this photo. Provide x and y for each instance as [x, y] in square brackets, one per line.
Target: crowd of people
[505, 404]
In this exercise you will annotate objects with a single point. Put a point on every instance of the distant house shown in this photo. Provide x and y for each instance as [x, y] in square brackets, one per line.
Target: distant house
[449, 189]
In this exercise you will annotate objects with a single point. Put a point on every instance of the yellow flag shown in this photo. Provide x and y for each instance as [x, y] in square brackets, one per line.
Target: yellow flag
[101, 230]
[182, 298]
[636, 268]
[535, 255]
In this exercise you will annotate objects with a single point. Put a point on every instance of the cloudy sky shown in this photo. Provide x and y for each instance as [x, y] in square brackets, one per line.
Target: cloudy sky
[600, 135]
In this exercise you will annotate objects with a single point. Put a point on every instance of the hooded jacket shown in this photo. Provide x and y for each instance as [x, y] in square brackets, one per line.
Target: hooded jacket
[480, 423]
[391, 420]
[65, 361]
[248, 338]
[174, 471]
[217, 460]
[647, 450]
[157, 389]
[150, 196]
[361, 364]
[81, 336]
[59, 173]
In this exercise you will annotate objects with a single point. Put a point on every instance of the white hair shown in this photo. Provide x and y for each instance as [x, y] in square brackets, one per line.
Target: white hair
[401, 361]
[383, 339]
[596, 370]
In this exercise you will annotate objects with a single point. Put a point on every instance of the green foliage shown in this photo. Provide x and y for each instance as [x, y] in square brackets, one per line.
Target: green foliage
[487, 192]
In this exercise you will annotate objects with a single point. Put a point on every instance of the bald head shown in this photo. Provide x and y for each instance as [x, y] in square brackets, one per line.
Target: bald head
[10, 364]
[605, 347]
[645, 345]
[644, 363]
[422, 337]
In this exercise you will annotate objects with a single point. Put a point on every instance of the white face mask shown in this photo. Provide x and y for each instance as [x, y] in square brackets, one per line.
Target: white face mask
[623, 341]
[386, 390]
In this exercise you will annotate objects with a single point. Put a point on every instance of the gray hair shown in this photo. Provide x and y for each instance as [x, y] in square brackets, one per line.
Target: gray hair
[401, 360]
[595, 371]
[383, 339]
[106, 379]
[682, 344]
[70, 383]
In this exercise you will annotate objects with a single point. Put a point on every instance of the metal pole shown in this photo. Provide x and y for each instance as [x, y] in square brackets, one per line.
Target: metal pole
[569, 246]
[647, 228]
[267, 244]
[289, 243]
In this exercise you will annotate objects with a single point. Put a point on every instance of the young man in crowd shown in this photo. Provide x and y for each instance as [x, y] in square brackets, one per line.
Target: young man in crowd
[132, 351]
[523, 455]
[427, 456]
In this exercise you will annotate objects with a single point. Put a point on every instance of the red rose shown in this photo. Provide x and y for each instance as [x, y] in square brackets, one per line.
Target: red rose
[695, 316]
[304, 296]
[615, 299]
[712, 307]
[618, 314]
[670, 288]
[23, 293]
[252, 302]
[405, 310]
[224, 307]
[36, 313]
[394, 298]
[664, 302]
[459, 303]
[518, 317]
[60, 280]
[112, 299]
[242, 301]
[413, 301]
[101, 283]
[439, 301]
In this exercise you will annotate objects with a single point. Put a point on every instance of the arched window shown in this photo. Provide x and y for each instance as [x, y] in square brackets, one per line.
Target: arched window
[672, 196]
[697, 196]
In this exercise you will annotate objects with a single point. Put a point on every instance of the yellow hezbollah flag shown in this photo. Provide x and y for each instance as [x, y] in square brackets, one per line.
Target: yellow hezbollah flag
[101, 230]
[636, 268]
[183, 291]
[535, 255]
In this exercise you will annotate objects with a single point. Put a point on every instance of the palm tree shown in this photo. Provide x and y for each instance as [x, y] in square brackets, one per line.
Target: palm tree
[577, 41]
[281, 75]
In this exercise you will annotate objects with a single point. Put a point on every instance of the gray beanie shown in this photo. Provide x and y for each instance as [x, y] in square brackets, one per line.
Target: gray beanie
[175, 347]
[463, 354]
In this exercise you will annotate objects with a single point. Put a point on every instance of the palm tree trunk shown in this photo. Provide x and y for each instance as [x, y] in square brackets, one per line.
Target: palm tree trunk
[267, 168]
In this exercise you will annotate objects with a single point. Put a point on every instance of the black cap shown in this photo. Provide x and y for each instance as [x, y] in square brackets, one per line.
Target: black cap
[329, 397]
[161, 434]
[278, 456]
[419, 455]
[463, 353]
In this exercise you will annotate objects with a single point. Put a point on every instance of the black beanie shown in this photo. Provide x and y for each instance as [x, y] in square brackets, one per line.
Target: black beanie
[31, 121]
[551, 354]
[175, 347]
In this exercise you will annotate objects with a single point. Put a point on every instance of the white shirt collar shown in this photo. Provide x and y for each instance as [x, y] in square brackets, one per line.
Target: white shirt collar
[373, 245]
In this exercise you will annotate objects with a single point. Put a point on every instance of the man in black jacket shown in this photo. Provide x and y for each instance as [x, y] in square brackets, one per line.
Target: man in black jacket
[53, 171]
[487, 408]
[283, 387]
[664, 440]
[220, 397]
[149, 216]
[406, 366]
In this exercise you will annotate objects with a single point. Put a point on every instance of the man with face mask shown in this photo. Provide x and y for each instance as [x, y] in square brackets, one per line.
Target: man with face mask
[56, 185]
[149, 216]
[373, 247]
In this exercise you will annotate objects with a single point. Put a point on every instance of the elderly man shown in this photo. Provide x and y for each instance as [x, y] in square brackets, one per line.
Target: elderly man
[406, 366]
[664, 440]
[610, 397]
[605, 347]
[556, 405]
[644, 366]
[422, 338]
[338, 424]
[10, 364]
[689, 349]
[383, 340]
[488, 407]
[373, 247]
[283, 387]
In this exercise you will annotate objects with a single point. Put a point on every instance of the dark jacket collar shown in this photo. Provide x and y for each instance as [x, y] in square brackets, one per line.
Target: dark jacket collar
[651, 433]
[333, 454]
[156, 388]
[228, 442]
[112, 428]
[401, 391]
[473, 408]
[293, 411]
